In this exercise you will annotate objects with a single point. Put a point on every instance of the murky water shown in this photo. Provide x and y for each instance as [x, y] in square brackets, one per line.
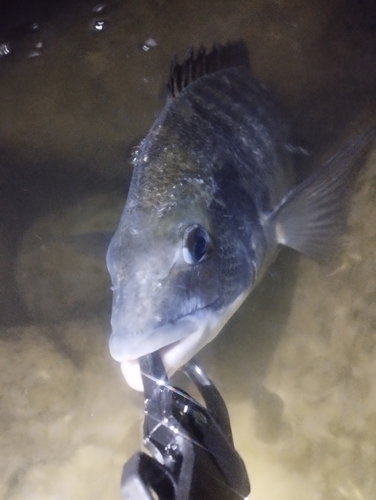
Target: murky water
[80, 83]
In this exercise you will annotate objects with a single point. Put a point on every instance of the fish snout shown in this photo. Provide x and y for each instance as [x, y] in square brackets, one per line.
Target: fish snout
[132, 323]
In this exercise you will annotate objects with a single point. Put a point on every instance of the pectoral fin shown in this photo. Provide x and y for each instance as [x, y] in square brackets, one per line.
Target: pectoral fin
[312, 217]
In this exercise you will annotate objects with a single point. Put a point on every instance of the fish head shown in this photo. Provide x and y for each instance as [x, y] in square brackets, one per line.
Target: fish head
[169, 271]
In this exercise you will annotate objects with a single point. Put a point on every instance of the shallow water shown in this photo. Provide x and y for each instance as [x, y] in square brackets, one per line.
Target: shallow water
[296, 364]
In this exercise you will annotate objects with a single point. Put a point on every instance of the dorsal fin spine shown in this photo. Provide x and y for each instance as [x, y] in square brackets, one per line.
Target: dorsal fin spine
[203, 62]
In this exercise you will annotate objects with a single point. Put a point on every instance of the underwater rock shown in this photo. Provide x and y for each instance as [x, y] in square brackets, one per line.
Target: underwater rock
[59, 277]
[68, 421]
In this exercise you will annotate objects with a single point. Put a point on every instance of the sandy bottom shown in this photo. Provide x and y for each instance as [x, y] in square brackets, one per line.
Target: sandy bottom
[299, 382]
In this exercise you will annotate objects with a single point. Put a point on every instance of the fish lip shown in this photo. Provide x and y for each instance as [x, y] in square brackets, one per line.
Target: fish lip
[174, 354]
[132, 371]
[208, 322]
[142, 346]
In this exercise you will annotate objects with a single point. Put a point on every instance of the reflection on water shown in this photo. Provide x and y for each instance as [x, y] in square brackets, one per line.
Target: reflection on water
[296, 365]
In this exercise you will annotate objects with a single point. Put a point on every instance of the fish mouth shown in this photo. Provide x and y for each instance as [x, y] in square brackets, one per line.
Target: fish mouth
[178, 342]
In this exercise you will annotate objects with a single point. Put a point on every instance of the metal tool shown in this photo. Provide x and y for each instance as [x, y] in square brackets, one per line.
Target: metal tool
[192, 454]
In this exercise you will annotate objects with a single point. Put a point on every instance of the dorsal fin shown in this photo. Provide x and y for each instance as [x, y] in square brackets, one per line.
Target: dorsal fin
[203, 62]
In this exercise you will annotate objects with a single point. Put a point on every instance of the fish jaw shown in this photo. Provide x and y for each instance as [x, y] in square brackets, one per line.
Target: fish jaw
[178, 342]
[123, 348]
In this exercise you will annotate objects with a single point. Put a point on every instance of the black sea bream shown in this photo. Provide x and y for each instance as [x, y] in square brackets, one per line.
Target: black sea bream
[211, 199]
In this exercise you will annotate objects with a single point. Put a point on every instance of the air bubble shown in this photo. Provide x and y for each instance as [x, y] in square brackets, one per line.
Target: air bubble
[148, 44]
[36, 52]
[33, 54]
[98, 8]
[5, 49]
[98, 25]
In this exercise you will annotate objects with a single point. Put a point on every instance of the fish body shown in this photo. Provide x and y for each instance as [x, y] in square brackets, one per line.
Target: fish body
[211, 199]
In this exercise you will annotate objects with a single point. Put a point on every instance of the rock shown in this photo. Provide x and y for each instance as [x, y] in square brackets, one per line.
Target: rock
[58, 278]
[68, 422]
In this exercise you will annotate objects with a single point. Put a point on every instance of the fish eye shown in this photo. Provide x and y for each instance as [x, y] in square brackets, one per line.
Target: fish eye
[197, 244]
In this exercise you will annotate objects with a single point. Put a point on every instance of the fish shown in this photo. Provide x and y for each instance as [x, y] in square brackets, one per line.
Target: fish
[212, 199]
